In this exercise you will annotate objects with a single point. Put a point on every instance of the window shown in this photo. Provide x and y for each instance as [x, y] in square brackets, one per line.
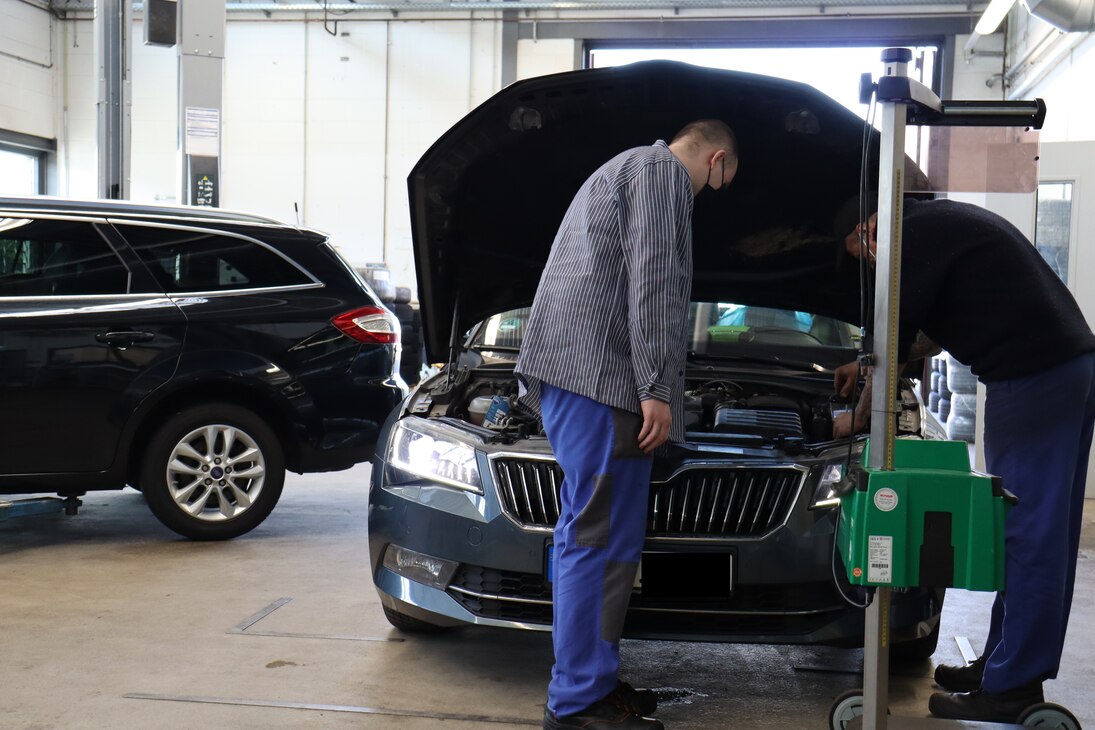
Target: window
[18, 173]
[53, 258]
[24, 159]
[1053, 225]
[193, 261]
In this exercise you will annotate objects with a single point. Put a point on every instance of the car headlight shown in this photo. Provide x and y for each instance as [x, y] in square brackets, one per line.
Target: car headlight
[433, 451]
[827, 493]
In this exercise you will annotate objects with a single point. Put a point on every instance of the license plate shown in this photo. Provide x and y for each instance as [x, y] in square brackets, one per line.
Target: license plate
[686, 575]
[675, 575]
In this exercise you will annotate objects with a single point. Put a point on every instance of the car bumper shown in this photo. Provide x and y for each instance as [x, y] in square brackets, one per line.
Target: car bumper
[783, 586]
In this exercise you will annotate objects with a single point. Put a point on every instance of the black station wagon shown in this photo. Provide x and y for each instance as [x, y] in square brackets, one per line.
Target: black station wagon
[741, 516]
[191, 353]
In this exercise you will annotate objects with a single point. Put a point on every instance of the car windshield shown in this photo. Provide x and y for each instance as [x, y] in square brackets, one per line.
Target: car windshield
[718, 328]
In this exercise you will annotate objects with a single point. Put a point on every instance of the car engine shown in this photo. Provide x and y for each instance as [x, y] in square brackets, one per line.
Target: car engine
[740, 411]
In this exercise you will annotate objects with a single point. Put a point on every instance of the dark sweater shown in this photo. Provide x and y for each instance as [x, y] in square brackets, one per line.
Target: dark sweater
[978, 288]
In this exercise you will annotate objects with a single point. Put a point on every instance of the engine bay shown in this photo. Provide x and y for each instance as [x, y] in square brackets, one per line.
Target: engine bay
[749, 411]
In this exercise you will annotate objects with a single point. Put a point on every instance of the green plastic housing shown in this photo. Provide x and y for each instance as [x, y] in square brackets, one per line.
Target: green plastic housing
[930, 522]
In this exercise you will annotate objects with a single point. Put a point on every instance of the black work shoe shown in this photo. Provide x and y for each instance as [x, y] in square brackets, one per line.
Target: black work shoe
[961, 679]
[986, 706]
[608, 714]
[642, 702]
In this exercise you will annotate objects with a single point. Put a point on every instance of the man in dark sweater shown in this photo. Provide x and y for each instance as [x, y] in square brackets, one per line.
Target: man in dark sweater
[971, 282]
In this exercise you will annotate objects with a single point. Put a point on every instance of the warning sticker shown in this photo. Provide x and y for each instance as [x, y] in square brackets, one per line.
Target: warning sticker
[879, 559]
[885, 499]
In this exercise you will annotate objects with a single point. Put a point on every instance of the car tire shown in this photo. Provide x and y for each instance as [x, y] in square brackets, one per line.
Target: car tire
[944, 408]
[180, 449]
[933, 402]
[917, 650]
[410, 624]
[960, 428]
[935, 382]
[404, 313]
[963, 405]
[944, 387]
[402, 295]
[959, 377]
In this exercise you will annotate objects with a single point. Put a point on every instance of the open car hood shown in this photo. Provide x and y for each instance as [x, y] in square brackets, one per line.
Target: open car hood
[488, 196]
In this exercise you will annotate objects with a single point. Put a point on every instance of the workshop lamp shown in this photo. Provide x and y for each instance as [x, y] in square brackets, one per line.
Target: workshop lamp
[992, 17]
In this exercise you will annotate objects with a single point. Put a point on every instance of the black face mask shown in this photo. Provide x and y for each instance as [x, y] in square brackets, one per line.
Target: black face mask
[707, 190]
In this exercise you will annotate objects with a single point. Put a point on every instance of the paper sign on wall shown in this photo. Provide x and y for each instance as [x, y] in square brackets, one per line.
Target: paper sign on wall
[203, 131]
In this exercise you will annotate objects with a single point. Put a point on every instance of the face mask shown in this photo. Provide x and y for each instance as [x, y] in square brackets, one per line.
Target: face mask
[707, 190]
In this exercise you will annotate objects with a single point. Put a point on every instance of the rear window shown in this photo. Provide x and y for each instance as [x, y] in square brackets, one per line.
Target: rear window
[192, 261]
[57, 258]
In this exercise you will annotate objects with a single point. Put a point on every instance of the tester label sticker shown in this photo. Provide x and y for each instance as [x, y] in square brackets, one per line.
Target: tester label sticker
[880, 559]
[885, 499]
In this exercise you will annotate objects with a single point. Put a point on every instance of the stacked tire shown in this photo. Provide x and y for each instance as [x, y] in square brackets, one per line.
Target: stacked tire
[933, 394]
[398, 300]
[410, 324]
[962, 390]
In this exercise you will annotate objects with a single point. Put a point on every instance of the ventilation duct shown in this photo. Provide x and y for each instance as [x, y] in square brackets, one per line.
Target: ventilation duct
[1071, 16]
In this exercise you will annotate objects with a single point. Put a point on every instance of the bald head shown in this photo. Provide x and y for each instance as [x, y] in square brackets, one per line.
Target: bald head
[709, 133]
[709, 150]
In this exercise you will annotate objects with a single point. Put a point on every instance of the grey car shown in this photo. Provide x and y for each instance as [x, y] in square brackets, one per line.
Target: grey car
[741, 517]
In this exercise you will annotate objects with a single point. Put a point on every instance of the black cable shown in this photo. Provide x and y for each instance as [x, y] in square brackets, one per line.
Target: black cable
[836, 580]
[865, 287]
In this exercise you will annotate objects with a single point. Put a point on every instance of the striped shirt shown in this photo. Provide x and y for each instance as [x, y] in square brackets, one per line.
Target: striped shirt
[609, 320]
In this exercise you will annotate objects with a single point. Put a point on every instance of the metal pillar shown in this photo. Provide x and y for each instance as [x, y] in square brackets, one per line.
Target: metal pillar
[876, 655]
[509, 47]
[202, 27]
[113, 48]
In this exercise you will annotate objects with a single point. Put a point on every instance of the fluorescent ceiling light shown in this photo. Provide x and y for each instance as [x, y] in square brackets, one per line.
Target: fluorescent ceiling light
[992, 17]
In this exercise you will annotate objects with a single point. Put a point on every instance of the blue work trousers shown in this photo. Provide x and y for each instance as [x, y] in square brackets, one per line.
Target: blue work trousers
[598, 541]
[1038, 437]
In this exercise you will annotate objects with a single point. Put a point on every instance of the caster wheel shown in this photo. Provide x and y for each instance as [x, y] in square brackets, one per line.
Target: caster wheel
[845, 707]
[1048, 715]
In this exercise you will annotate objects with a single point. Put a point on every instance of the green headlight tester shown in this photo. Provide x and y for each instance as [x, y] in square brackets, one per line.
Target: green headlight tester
[929, 521]
[913, 513]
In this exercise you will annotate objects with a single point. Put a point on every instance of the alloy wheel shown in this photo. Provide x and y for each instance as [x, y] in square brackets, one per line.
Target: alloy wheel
[216, 472]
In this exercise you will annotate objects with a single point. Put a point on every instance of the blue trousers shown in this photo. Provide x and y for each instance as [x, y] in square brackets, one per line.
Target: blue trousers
[598, 542]
[1038, 437]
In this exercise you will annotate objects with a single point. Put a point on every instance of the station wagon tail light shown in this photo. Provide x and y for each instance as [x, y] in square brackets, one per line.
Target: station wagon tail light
[372, 325]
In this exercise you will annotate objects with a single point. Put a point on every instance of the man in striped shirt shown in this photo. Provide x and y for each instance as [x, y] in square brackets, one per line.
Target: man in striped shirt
[602, 361]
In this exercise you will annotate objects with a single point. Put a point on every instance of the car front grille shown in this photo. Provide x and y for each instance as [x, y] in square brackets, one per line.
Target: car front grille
[702, 502]
[776, 609]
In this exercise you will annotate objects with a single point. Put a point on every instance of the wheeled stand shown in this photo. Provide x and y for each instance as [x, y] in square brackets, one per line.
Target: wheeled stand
[885, 547]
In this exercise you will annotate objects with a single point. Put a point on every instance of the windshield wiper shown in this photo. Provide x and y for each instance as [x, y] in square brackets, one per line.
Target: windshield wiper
[694, 356]
[494, 348]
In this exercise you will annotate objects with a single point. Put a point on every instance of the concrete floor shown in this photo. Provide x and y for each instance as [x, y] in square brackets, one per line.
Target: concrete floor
[101, 607]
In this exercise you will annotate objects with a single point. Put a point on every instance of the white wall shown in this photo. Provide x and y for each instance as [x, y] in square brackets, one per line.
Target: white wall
[977, 74]
[332, 124]
[1058, 67]
[26, 70]
[1067, 90]
[542, 57]
[76, 100]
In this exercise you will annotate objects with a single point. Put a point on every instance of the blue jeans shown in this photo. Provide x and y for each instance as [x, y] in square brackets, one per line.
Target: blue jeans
[1038, 437]
[598, 542]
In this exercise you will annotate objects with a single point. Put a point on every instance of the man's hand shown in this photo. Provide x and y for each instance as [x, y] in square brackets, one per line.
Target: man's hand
[656, 421]
[842, 424]
[845, 378]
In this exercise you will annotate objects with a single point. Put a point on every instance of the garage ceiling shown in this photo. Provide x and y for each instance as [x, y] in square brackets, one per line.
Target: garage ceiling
[846, 7]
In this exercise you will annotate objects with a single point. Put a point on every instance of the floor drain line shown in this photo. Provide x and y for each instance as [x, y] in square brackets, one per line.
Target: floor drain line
[334, 708]
[244, 628]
